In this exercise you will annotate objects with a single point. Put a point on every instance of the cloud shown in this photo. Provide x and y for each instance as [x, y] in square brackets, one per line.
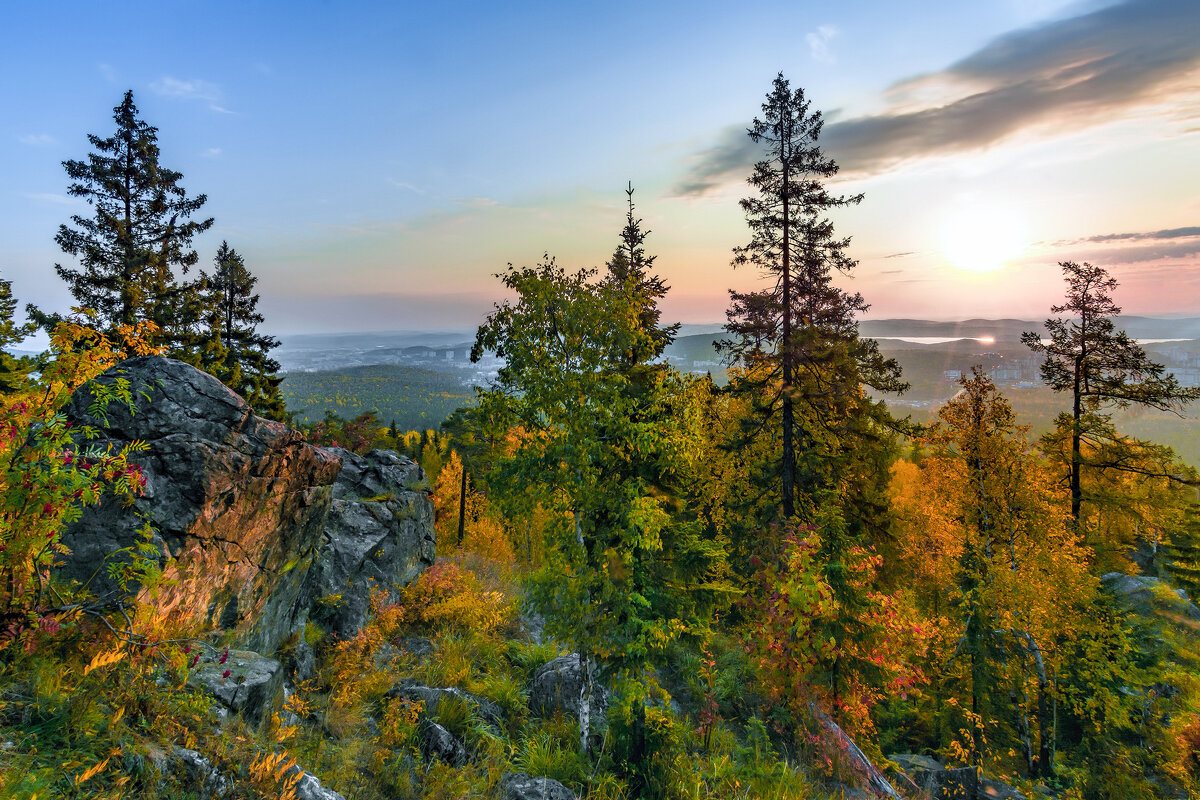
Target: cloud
[36, 139]
[212, 152]
[406, 186]
[1064, 75]
[195, 89]
[1169, 233]
[901, 255]
[107, 72]
[818, 43]
[56, 199]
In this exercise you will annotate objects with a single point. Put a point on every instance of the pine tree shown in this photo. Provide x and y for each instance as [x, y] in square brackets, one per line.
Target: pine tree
[139, 234]
[231, 347]
[1101, 367]
[798, 339]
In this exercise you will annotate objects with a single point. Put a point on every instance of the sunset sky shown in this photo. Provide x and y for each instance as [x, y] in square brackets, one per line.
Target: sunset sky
[375, 163]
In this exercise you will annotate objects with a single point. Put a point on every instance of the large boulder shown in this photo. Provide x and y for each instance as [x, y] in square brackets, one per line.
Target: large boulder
[237, 503]
[519, 786]
[250, 523]
[935, 780]
[431, 698]
[556, 688]
[1148, 596]
[243, 682]
[379, 535]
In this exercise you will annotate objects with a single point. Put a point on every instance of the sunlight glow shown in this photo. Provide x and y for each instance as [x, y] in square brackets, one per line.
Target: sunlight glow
[981, 237]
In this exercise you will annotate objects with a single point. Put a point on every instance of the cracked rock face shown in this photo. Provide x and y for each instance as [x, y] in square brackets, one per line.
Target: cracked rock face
[237, 502]
[379, 535]
[253, 526]
[519, 786]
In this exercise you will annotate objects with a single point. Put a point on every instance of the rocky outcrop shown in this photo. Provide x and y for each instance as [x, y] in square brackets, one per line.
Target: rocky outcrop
[439, 743]
[243, 682]
[519, 786]
[485, 710]
[556, 688]
[935, 780]
[309, 787]
[378, 535]
[236, 503]
[195, 771]
[1148, 596]
[250, 523]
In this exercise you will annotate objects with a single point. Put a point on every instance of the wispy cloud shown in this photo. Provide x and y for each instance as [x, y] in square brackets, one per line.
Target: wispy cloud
[1065, 75]
[107, 72]
[56, 199]
[194, 89]
[901, 255]
[211, 152]
[1169, 233]
[818, 43]
[406, 186]
[36, 139]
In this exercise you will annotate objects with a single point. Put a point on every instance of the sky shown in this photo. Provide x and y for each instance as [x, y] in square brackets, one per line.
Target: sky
[376, 163]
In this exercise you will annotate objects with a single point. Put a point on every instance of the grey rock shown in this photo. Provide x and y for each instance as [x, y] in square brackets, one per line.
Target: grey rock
[379, 535]
[197, 771]
[1141, 593]
[300, 661]
[253, 688]
[937, 781]
[439, 743]
[910, 762]
[417, 646]
[484, 709]
[556, 687]
[309, 787]
[994, 790]
[237, 503]
[519, 786]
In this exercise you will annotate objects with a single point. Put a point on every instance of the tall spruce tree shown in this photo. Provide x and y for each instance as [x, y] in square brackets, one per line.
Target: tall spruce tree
[230, 347]
[139, 233]
[1102, 368]
[798, 339]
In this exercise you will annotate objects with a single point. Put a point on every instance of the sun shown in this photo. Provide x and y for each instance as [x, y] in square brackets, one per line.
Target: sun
[981, 237]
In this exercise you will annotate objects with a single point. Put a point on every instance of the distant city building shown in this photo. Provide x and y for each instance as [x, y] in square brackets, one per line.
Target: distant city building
[952, 374]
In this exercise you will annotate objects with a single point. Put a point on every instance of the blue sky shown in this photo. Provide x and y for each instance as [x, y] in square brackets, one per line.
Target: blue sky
[375, 163]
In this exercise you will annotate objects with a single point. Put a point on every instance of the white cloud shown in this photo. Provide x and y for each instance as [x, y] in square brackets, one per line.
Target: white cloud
[56, 199]
[211, 152]
[405, 185]
[36, 139]
[194, 89]
[818, 43]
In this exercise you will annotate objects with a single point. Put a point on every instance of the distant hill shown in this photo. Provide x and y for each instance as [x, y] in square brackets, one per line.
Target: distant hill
[415, 398]
[1003, 330]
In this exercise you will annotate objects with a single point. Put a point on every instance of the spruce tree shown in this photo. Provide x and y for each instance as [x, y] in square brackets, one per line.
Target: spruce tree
[139, 234]
[231, 348]
[798, 339]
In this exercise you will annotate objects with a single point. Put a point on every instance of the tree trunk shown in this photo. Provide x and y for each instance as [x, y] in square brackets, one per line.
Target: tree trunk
[877, 784]
[462, 503]
[585, 702]
[789, 444]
